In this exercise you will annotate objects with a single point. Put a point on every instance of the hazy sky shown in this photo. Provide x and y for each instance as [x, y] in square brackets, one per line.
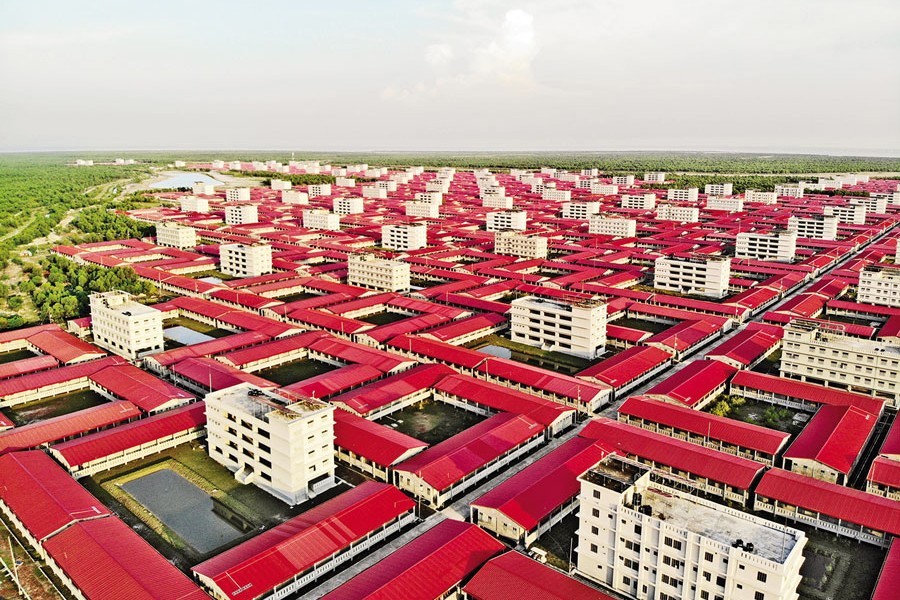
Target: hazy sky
[756, 75]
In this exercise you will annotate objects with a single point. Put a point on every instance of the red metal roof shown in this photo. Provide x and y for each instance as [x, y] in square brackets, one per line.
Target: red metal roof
[426, 568]
[273, 348]
[377, 443]
[276, 556]
[514, 576]
[63, 346]
[98, 445]
[65, 426]
[718, 466]
[684, 335]
[446, 463]
[27, 365]
[440, 351]
[108, 561]
[215, 375]
[41, 379]
[455, 329]
[559, 384]
[351, 352]
[695, 382]
[808, 392]
[21, 334]
[731, 431]
[334, 382]
[392, 389]
[837, 501]
[889, 577]
[533, 493]
[499, 397]
[43, 495]
[835, 437]
[140, 388]
[745, 347]
[626, 366]
[210, 348]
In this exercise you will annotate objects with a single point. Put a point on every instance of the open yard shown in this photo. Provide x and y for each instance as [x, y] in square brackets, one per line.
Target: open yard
[838, 568]
[14, 355]
[759, 413]
[559, 542]
[383, 318]
[502, 347]
[293, 372]
[431, 421]
[198, 326]
[641, 324]
[56, 406]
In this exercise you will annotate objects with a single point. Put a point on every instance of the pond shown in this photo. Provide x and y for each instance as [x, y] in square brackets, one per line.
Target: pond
[535, 361]
[182, 179]
[184, 508]
[498, 351]
[47, 408]
[185, 336]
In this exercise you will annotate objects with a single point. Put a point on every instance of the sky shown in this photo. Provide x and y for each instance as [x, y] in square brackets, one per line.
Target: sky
[808, 76]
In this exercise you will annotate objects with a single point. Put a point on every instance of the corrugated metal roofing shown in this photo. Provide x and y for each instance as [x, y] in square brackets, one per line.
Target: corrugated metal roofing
[514, 576]
[809, 392]
[376, 443]
[98, 445]
[889, 578]
[276, 556]
[27, 365]
[695, 382]
[334, 382]
[140, 388]
[626, 366]
[64, 346]
[392, 389]
[214, 375]
[835, 436]
[426, 568]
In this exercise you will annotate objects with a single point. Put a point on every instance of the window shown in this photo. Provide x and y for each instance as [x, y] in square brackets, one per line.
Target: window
[672, 543]
[720, 580]
[594, 548]
[595, 530]
[759, 596]
[637, 529]
[708, 557]
[761, 577]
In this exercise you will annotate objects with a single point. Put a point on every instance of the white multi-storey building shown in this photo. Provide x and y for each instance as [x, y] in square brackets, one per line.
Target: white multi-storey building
[626, 180]
[279, 184]
[695, 274]
[428, 210]
[580, 210]
[686, 195]
[517, 244]
[319, 218]
[655, 177]
[194, 204]
[438, 185]
[372, 191]
[203, 189]
[880, 284]
[431, 197]
[404, 237]
[220, 164]
[638, 201]
[732, 204]
[245, 260]
[683, 214]
[367, 270]
[590, 172]
[847, 213]
[794, 190]
[876, 203]
[555, 195]
[507, 219]
[319, 189]
[576, 327]
[348, 206]
[777, 245]
[241, 194]
[125, 327]
[647, 541]
[820, 352]
[176, 236]
[344, 181]
[241, 214]
[294, 197]
[760, 197]
[602, 225]
[501, 202]
[283, 445]
[604, 189]
[718, 189]
[819, 227]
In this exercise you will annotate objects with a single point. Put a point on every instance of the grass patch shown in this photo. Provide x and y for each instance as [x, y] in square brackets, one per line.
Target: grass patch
[757, 413]
[297, 297]
[14, 355]
[559, 541]
[298, 370]
[431, 421]
[770, 365]
[642, 324]
[211, 273]
[198, 326]
[838, 567]
[554, 361]
[384, 318]
[40, 410]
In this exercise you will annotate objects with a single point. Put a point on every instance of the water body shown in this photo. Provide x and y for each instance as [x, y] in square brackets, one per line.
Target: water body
[185, 335]
[184, 508]
[184, 179]
[498, 351]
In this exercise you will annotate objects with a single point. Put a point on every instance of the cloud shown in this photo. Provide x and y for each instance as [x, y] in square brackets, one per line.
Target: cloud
[438, 54]
[43, 39]
[509, 58]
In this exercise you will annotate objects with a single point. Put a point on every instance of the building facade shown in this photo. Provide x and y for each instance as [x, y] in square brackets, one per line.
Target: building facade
[685, 195]
[576, 327]
[778, 246]
[241, 214]
[237, 194]
[694, 274]
[282, 445]
[580, 210]
[176, 236]
[348, 206]
[124, 326]
[319, 218]
[404, 237]
[245, 260]
[367, 270]
[516, 244]
[683, 214]
[638, 201]
[418, 208]
[507, 219]
[880, 284]
[820, 227]
[601, 225]
[194, 204]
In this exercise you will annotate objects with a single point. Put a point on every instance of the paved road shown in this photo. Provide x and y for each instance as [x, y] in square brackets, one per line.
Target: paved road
[459, 509]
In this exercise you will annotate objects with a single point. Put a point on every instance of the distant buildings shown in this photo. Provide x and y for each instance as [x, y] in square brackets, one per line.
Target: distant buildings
[682, 214]
[124, 326]
[815, 227]
[283, 445]
[778, 246]
[612, 226]
[507, 219]
[194, 204]
[685, 195]
[516, 244]
[367, 270]
[639, 201]
[238, 194]
[880, 284]
[718, 189]
[317, 218]
[176, 236]
[404, 237]
[241, 214]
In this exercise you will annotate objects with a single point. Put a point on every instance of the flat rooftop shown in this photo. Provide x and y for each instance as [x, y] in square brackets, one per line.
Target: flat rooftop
[725, 527]
[265, 405]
